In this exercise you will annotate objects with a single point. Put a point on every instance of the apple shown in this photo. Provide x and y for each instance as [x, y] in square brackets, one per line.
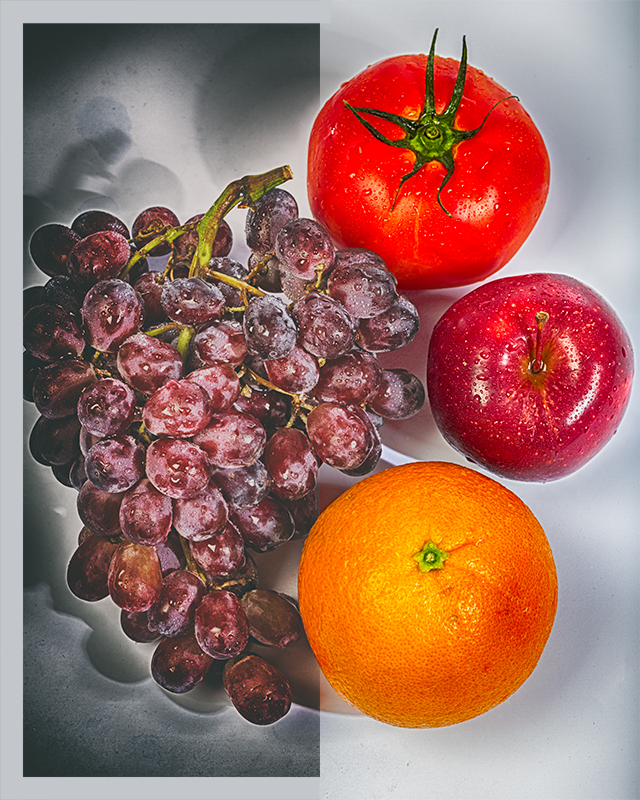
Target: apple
[529, 376]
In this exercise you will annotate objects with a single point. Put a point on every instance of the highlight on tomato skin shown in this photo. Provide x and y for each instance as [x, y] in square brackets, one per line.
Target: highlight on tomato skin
[438, 218]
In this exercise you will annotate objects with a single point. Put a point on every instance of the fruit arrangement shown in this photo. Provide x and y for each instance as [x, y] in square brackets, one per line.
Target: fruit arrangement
[191, 407]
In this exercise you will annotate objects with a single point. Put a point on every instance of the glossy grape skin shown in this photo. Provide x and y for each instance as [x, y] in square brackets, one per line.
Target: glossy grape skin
[220, 343]
[191, 301]
[271, 407]
[147, 363]
[269, 329]
[145, 514]
[173, 612]
[150, 292]
[171, 553]
[200, 517]
[179, 663]
[400, 395]
[274, 209]
[135, 625]
[304, 248]
[135, 577]
[58, 386]
[221, 555]
[391, 330]
[296, 373]
[152, 222]
[177, 467]
[264, 526]
[221, 625]
[291, 463]
[349, 379]
[257, 689]
[232, 439]
[55, 441]
[111, 312]
[220, 382]
[88, 568]
[243, 487]
[356, 256]
[115, 463]
[340, 436]
[50, 246]
[99, 510]
[185, 246]
[97, 257]
[365, 289]
[51, 333]
[179, 409]
[326, 328]
[106, 408]
[93, 221]
[273, 619]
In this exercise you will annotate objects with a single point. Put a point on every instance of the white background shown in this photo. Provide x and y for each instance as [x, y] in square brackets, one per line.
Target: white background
[572, 730]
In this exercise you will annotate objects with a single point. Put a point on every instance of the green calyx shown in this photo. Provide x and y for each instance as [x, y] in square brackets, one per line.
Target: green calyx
[432, 136]
[430, 557]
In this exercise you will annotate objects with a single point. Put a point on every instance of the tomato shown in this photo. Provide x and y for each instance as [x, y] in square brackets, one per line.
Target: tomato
[455, 200]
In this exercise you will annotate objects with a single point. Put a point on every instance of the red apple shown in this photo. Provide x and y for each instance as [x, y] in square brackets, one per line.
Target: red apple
[529, 376]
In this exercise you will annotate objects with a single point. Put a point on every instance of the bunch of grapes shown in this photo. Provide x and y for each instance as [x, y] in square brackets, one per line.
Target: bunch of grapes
[191, 408]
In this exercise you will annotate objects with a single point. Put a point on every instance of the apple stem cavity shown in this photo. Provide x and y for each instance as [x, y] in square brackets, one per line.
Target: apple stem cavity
[537, 365]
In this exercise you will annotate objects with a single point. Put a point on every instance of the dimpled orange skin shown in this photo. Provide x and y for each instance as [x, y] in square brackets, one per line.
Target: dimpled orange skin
[430, 648]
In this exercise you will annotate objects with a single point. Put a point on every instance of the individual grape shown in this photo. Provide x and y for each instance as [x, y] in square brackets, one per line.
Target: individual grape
[296, 373]
[350, 379]
[326, 328]
[135, 624]
[88, 568]
[112, 311]
[98, 257]
[273, 619]
[185, 246]
[390, 330]
[179, 663]
[51, 333]
[232, 439]
[106, 408]
[221, 625]
[57, 441]
[146, 363]
[150, 292]
[50, 246]
[173, 612]
[365, 289]
[220, 382]
[171, 553]
[355, 256]
[200, 517]
[234, 269]
[191, 301]
[304, 511]
[93, 221]
[179, 409]
[257, 689]
[400, 395]
[239, 582]
[58, 386]
[374, 454]
[266, 273]
[135, 578]
[116, 463]
[272, 408]
[221, 555]
[304, 248]
[99, 510]
[177, 468]
[291, 463]
[220, 343]
[145, 515]
[63, 291]
[264, 526]
[151, 223]
[340, 436]
[269, 329]
[273, 210]
[243, 487]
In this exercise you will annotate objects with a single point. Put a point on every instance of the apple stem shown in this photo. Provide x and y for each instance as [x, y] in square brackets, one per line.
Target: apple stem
[537, 364]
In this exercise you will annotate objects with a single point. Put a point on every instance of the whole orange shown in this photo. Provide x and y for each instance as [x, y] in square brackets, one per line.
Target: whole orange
[428, 592]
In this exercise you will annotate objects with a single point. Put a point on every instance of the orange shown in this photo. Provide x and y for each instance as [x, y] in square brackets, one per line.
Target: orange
[428, 592]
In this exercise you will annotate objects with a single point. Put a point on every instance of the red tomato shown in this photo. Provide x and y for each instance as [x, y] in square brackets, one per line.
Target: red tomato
[489, 203]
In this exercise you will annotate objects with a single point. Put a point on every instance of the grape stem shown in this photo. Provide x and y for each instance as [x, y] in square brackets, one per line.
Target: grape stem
[191, 563]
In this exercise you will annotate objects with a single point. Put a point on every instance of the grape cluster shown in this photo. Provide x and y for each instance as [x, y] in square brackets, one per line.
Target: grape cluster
[191, 407]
